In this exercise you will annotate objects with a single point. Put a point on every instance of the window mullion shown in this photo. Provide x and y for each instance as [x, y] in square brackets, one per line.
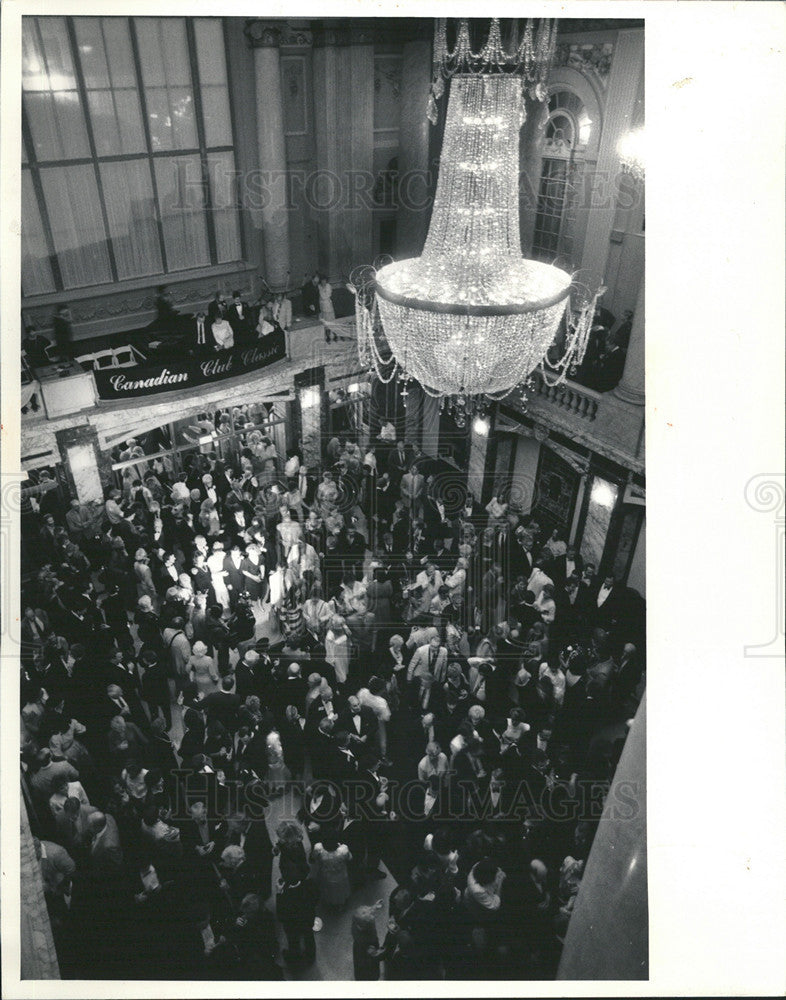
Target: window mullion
[110, 81]
[35, 176]
[195, 83]
[244, 243]
[82, 91]
[148, 140]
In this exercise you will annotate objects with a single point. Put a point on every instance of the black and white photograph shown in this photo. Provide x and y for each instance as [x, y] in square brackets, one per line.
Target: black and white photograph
[329, 480]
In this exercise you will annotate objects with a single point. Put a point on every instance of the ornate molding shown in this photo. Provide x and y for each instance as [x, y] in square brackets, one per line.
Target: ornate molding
[263, 34]
[592, 60]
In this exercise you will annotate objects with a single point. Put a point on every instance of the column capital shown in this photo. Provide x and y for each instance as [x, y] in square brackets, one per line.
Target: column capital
[345, 31]
[262, 34]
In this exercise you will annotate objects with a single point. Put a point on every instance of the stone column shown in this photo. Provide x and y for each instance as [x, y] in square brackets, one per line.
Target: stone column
[271, 143]
[623, 88]
[414, 190]
[631, 386]
[430, 426]
[478, 453]
[36, 945]
[309, 409]
[413, 412]
[344, 127]
[89, 471]
[607, 937]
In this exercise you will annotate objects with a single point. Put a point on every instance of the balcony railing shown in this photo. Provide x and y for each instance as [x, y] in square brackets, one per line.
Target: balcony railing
[569, 396]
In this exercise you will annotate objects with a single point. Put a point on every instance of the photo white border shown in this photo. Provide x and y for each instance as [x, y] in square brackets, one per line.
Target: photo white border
[715, 394]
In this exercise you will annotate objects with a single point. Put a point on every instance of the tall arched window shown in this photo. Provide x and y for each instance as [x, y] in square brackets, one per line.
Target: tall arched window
[568, 131]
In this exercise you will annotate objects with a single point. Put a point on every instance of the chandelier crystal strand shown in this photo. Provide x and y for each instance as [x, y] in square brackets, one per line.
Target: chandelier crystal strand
[471, 315]
[531, 58]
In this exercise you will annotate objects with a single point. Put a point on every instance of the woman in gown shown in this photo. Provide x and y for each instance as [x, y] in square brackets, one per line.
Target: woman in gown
[202, 669]
[253, 570]
[325, 289]
[338, 648]
[202, 579]
[331, 860]
[215, 564]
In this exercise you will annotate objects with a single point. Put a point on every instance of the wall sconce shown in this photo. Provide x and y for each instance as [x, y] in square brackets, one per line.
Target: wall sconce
[309, 397]
[481, 426]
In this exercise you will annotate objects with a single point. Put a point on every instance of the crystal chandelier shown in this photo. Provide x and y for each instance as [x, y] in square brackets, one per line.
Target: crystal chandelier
[471, 316]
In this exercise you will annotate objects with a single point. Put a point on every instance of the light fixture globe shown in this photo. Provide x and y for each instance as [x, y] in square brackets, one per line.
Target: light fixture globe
[471, 316]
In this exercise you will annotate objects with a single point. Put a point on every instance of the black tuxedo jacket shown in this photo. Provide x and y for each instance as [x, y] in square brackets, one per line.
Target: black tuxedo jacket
[240, 324]
[398, 464]
[191, 839]
[252, 756]
[558, 568]
[609, 612]
[368, 726]
[223, 707]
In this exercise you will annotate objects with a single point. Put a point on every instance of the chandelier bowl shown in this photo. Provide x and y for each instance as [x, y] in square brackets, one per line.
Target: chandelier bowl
[482, 339]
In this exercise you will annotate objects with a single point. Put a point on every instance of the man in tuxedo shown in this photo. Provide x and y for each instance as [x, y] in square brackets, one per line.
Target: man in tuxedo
[385, 497]
[35, 627]
[73, 829]
[247, 682]
[566, 565]
[444, 556]
[251, 754]
[203, 839]
[567, 625]
[217, 309]
[399, 461]
[106, 853]
[223, 705]
[360, 722]
[400, 528]
[310, 296]
[386, 549]
[344, 765]
[239, 317]
[291, 691]
[435, 519]
[199, 335]
[372, 819]
[521, 561]
[319, 709]
[413, 487]
[428, 666]
[116, 703]
[252, 835]
[47, 541]
[606, 603]
[352, 547]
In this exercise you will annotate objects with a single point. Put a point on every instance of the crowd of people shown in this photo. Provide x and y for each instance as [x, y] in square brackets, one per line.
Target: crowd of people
[415, 684]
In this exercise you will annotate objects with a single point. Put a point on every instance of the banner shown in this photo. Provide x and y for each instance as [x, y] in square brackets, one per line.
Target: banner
[190, 373]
